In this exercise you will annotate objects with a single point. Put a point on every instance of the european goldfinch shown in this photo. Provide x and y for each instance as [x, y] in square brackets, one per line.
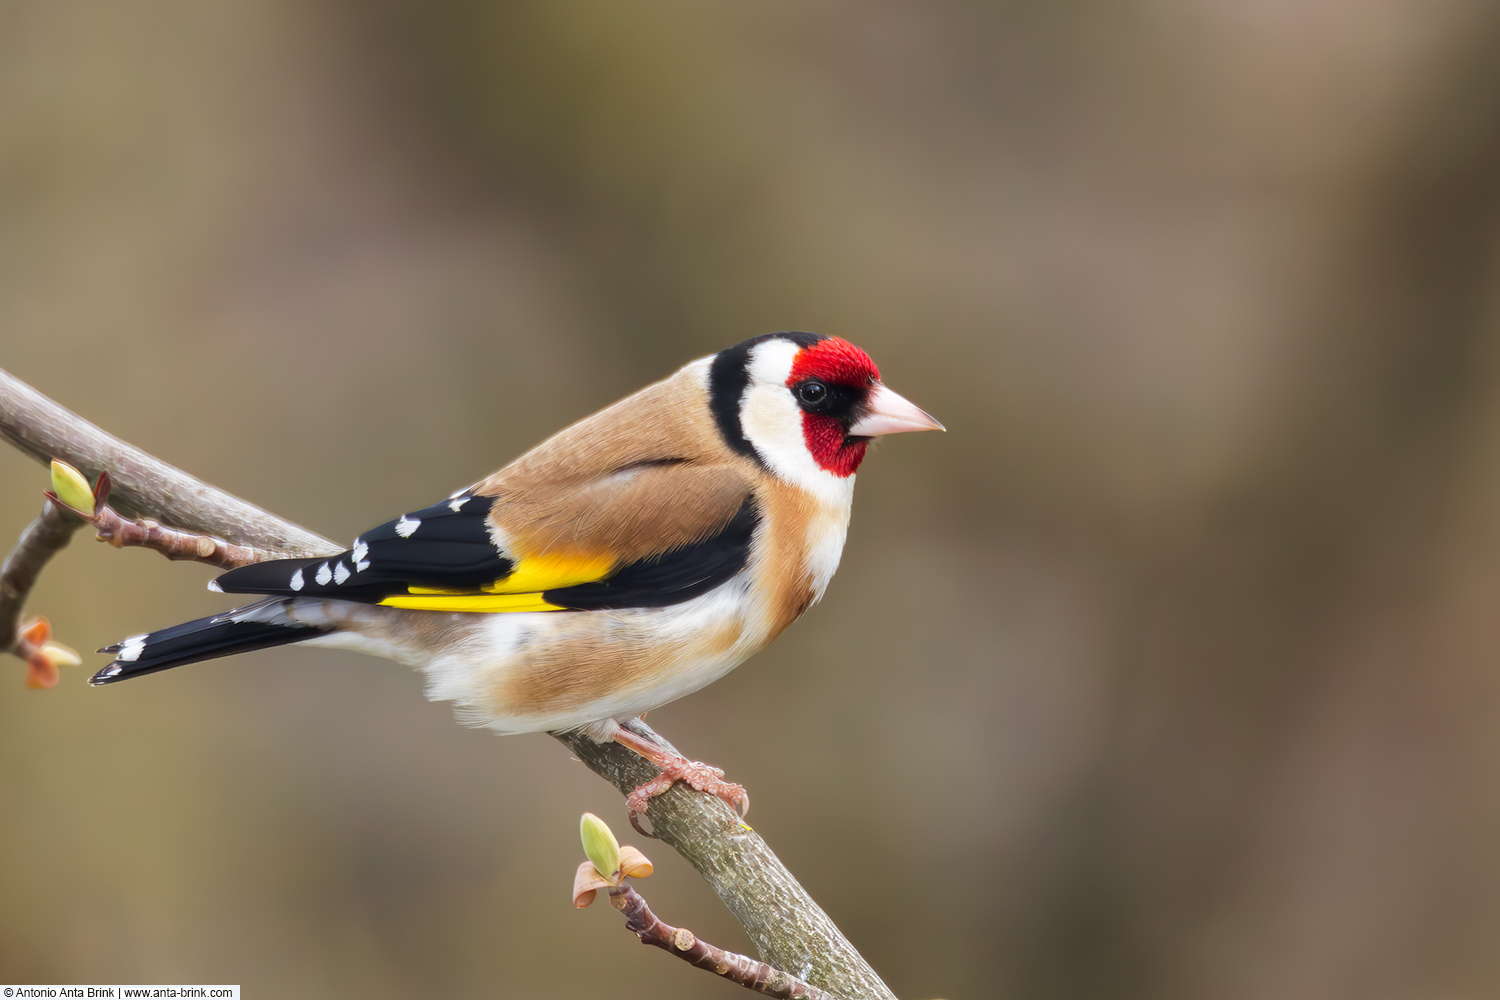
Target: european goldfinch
[629, 560]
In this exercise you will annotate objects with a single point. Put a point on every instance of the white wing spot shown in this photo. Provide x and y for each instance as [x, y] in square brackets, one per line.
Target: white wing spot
[324, 575]
[130, 649]
[340, 573]
[407, 525]
[455, 505]
[360, 567]
[297, 580]
[113, 671]
[360, 550]
[213, 585]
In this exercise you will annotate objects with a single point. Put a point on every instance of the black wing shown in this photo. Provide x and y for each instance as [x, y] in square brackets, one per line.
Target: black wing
[446, 546]
[672, 577]
[446, 555]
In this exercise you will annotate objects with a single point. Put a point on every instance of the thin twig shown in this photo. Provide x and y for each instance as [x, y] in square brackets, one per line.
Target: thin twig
[145, 532]
[42, 539]
[687, 946]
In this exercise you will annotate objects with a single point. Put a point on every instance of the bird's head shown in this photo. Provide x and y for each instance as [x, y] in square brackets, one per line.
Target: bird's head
[806, 406]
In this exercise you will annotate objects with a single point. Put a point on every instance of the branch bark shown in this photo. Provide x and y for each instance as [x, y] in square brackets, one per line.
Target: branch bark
[42, 539]
[789, 930]
[144, 486]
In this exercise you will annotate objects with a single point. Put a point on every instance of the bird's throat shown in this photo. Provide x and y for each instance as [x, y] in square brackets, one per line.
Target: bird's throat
[831, 447]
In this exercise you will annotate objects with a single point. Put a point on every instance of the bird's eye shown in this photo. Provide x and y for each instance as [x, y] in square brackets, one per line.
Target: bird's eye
[812, 393]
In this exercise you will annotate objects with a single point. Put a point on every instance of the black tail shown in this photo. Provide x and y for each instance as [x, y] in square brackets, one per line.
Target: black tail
[255, 626]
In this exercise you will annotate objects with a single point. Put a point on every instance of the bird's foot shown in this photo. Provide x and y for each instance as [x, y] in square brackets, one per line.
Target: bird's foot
[674, 768]
[694, 774]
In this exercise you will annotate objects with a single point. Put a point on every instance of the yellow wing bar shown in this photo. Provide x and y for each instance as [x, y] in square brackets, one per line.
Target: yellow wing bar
[534, 574]
[521, 590]
[470, 602]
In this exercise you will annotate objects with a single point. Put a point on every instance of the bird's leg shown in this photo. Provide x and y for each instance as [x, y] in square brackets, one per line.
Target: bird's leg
[675, 767]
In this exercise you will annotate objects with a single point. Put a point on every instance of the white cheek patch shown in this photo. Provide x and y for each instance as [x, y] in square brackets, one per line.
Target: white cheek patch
[772, 421]
[773, 424]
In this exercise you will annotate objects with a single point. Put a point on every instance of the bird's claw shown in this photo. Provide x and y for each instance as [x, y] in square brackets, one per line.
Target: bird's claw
[694, 774]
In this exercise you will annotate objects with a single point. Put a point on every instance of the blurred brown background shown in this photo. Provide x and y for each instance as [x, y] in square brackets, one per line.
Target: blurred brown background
[1171, 671]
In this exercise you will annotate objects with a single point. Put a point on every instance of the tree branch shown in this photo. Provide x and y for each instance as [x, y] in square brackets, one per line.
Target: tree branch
[788, 929]
[686, 945]
[144, 486]
[786, 926]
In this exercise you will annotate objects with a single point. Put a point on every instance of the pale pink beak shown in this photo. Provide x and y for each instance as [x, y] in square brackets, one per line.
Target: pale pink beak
[891, 414]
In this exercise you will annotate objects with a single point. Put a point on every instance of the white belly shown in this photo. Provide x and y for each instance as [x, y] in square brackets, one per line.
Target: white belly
[548, 671]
